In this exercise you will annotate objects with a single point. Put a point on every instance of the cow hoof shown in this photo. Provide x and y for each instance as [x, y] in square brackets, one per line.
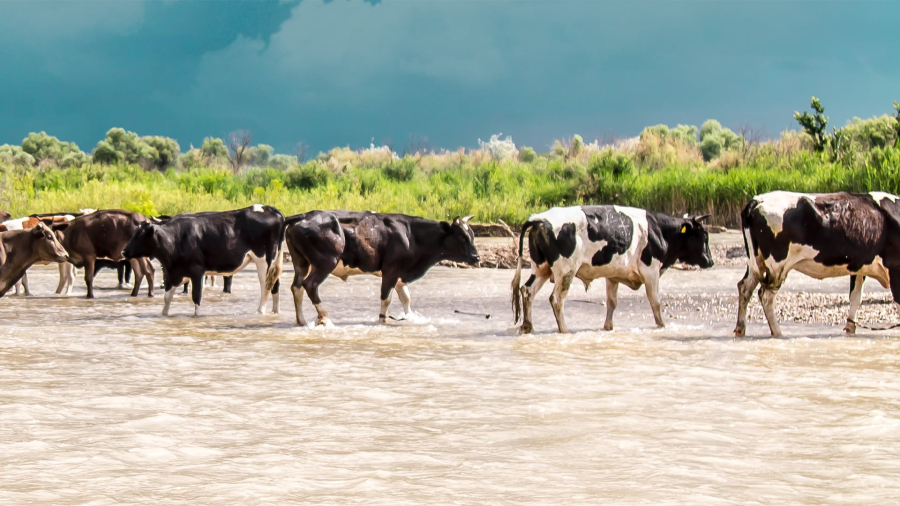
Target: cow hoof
[324, 322]
[607, 326]
[740, 332]
[850, 328]
[525, 330]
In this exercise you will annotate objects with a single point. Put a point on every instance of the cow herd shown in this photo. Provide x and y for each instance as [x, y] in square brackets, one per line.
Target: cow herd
[821, 235]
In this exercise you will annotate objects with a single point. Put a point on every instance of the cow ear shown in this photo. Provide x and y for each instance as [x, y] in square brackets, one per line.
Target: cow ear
[686, 226]
[60, 226]
[446, 226]
[37, 231]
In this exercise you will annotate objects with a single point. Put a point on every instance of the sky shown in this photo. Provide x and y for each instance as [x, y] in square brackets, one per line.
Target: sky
[351, 72]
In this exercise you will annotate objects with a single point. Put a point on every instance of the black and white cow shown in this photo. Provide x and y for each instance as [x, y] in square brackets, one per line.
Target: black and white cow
[398, 248]
[189, 246]
[822, 236]
[622, 244]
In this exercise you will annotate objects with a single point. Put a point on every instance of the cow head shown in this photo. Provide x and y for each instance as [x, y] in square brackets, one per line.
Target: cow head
[144, 242]
[460, 241]
[47, 245]
[695, 242]
[4, 215]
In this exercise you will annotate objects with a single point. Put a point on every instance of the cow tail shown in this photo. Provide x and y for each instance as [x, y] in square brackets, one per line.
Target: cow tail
[516, 292]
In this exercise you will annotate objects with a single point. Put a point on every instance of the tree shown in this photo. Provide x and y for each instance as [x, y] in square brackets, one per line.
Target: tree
[213, 150]
[238, 142]
[166, 150]
[714, 139]
[47, 148]
[122, 146]
[815, 124]
[14, 155]
[261, 155]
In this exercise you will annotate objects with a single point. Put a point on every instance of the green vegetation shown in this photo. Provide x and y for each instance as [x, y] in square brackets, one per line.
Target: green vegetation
[683, 169]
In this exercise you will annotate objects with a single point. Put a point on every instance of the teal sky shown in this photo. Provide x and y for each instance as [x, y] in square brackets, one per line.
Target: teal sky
[345, 72]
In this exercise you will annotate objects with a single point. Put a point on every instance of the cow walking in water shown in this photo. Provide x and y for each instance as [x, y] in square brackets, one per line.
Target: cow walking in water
[20, 249]
[103, 235]
[822, 236]
[625, 245]
[398, 248]
[189, 246]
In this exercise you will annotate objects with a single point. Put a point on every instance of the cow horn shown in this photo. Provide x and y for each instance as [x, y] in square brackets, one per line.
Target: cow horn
[701, 219]
[456, 220]
[467, 218]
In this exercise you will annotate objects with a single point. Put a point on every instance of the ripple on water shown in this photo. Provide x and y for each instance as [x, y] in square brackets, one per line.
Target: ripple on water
[106, 402]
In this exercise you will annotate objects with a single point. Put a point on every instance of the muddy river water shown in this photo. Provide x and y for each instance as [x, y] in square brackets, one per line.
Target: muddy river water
[106, 402]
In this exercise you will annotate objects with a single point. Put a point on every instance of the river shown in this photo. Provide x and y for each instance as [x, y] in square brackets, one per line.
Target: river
[107, 402]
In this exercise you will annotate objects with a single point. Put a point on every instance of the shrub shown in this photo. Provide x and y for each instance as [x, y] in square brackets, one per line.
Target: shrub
[404, 170]
[14, 155]
[46, 148]
[306, 177]
[527, 155]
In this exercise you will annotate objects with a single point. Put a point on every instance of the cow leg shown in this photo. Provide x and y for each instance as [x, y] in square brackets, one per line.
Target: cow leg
[138, 277]
[651, 284]
[387, 290]
[746, 286]
[120, 273]
[261, 268]
[529, 290]
[89, 276]
[767, 295]
[186, 285]
[227, 280]
[558, 299]
[167, 299]
[63, 273]
[315, 278]
[149, 273]
[612, 301]
[128, 269]
[276, 298]
[70, 278]
[297, 292]
[197, 292]
[24, 283]
[895, 288]
[856, 288]
[403, 295]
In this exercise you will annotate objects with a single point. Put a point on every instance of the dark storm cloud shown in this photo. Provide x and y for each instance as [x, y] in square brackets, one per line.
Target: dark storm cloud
[348, 71]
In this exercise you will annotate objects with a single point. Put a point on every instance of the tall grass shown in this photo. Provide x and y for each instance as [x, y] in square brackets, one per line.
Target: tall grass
[465, 184]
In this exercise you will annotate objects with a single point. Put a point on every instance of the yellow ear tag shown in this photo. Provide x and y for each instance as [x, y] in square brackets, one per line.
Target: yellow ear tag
[684, 229]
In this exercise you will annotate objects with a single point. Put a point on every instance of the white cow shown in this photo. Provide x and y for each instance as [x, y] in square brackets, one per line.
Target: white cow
[622, 244]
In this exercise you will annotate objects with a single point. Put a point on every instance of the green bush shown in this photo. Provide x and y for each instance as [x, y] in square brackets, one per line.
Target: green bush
[402, 170]
[306, 177]
[527, 155]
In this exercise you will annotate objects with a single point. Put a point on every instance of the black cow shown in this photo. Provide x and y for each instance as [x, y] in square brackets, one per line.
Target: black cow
[190, 246]
[625, 245]
[398, 248]
[822, 236]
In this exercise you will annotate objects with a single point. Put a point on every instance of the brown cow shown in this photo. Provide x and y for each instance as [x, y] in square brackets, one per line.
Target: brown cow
[20, 249]
[103, 235]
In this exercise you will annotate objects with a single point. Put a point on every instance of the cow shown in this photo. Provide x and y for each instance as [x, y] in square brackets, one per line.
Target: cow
[190, 246]
[29, 222]
[20, 249]
[4, 215]
[398, 248]
[625, 245]
[823, 236]
[103, 235]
